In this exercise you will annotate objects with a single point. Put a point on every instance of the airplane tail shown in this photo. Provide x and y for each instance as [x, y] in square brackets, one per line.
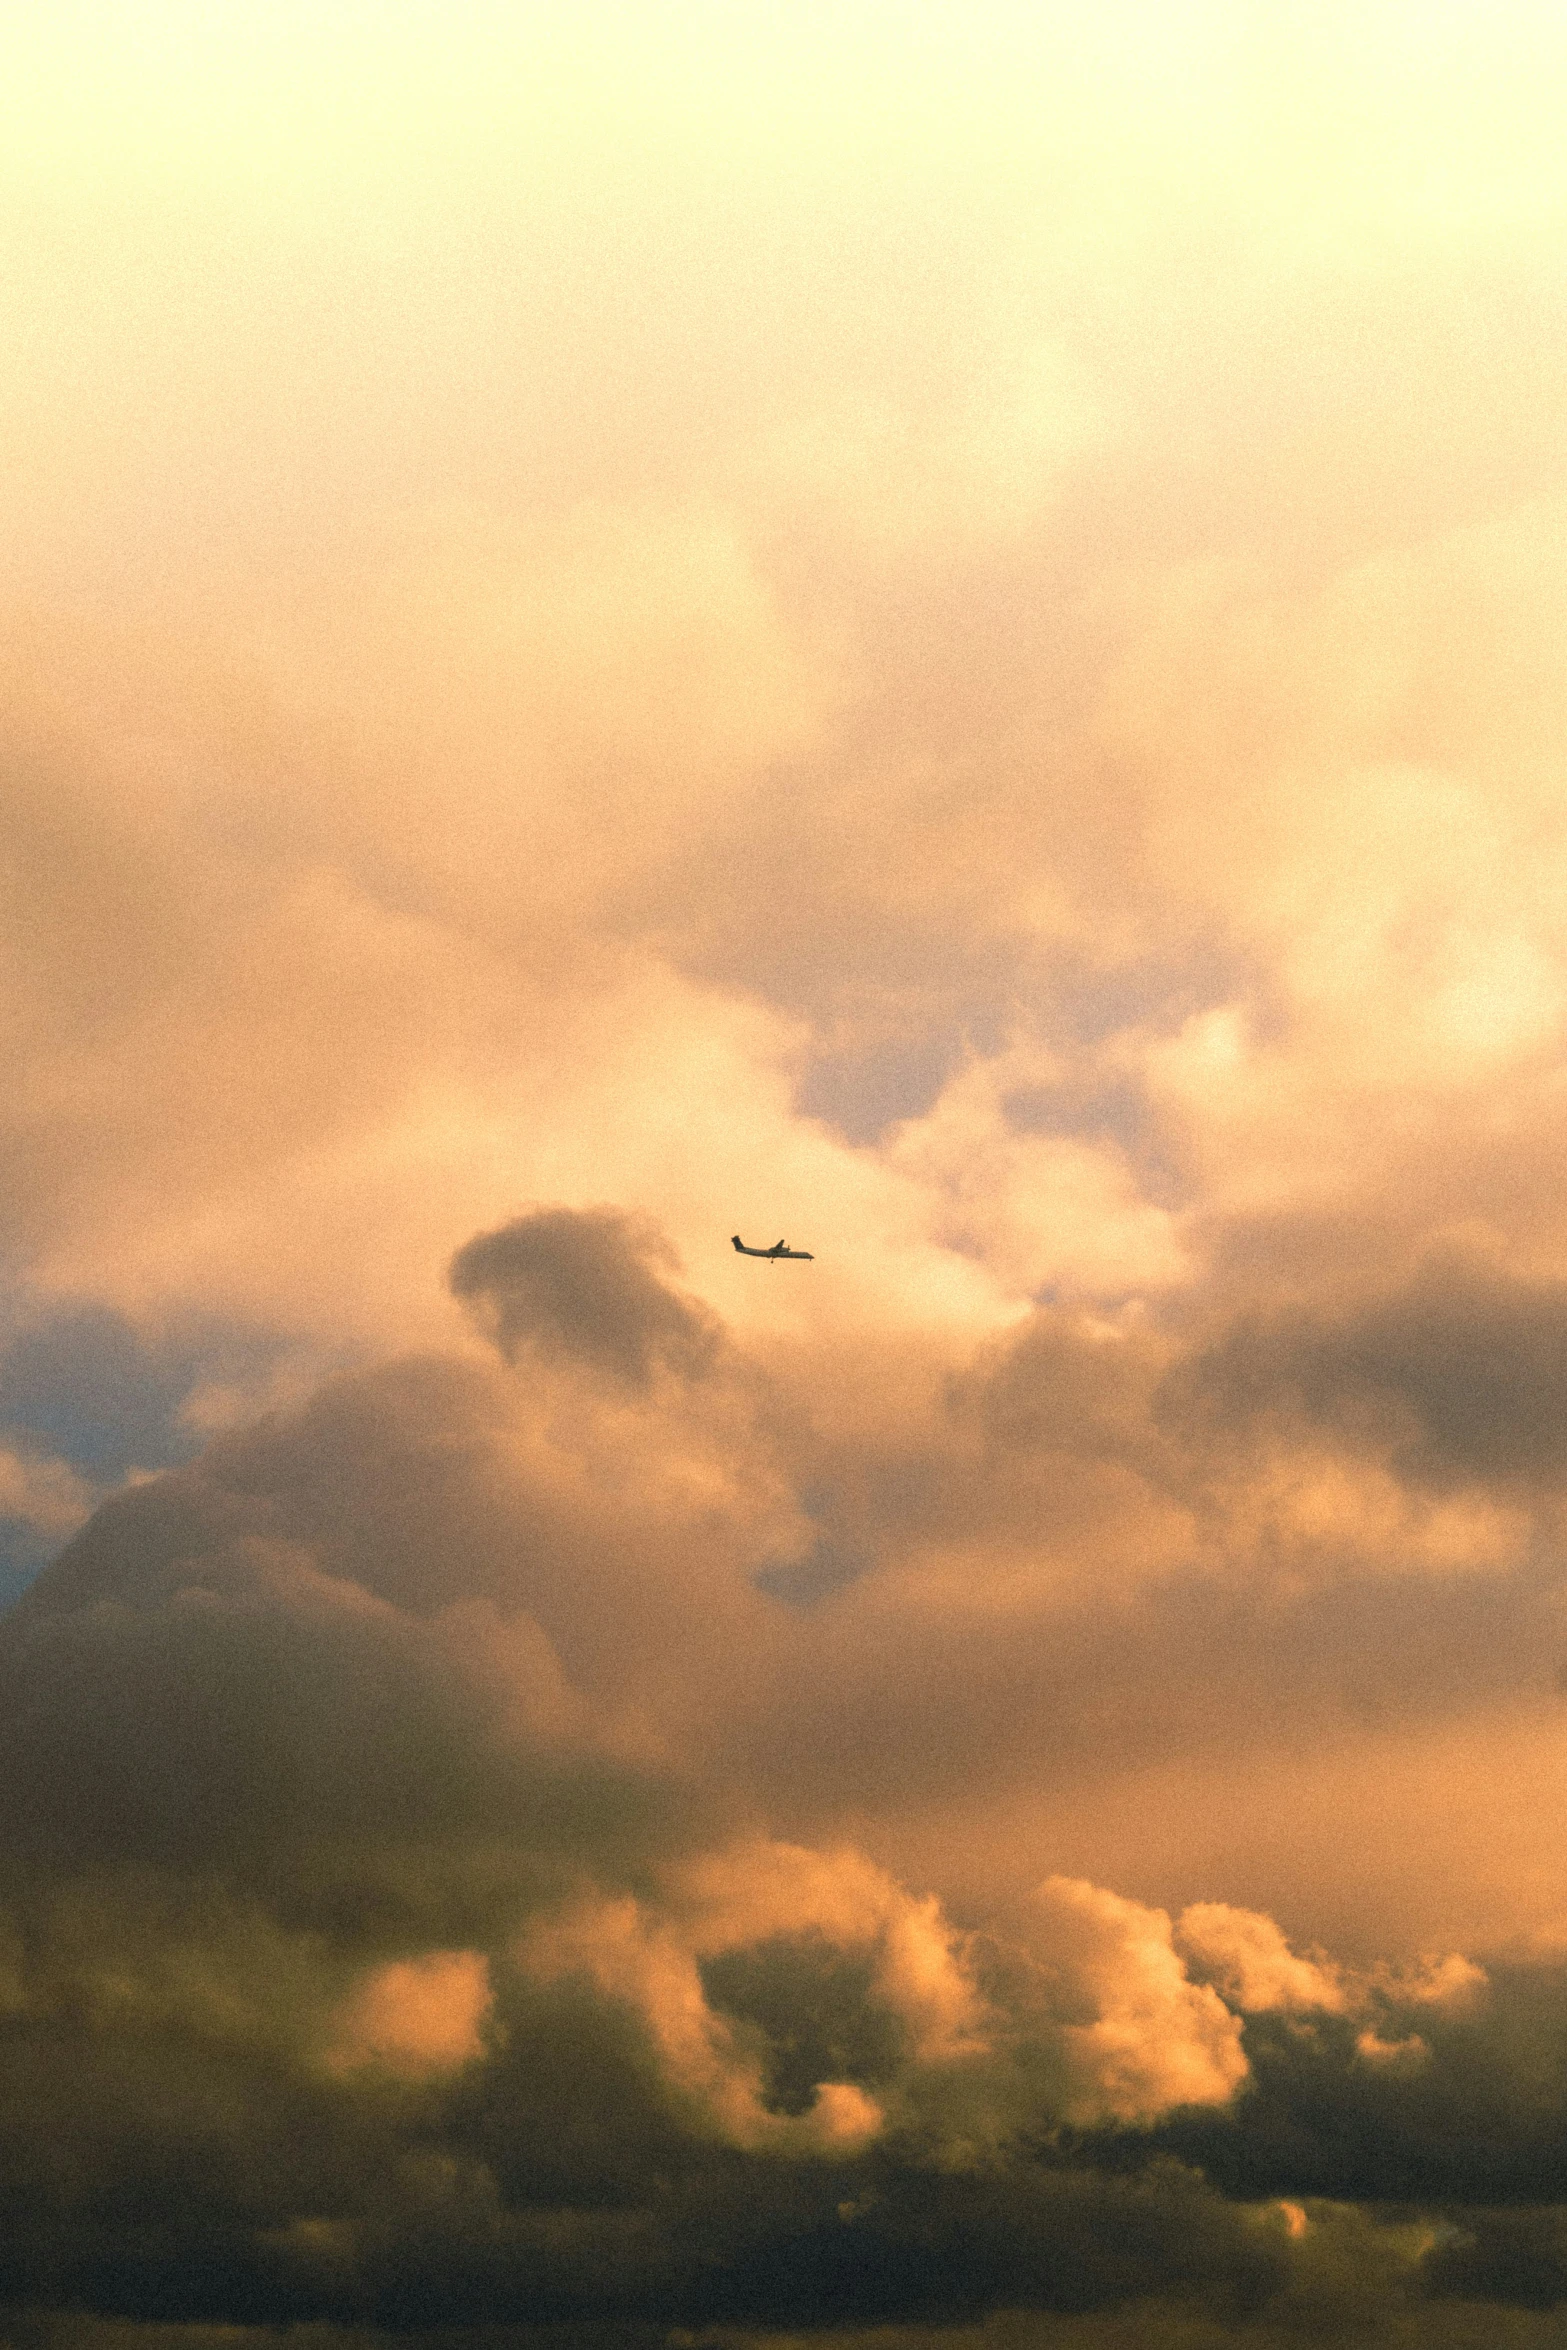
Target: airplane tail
[739, 1244]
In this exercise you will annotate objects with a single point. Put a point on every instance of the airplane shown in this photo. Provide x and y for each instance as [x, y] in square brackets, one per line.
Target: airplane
[778, 1249]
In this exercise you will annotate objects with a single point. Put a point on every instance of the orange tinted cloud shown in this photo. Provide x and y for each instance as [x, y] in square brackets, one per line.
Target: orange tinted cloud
[417, 2015]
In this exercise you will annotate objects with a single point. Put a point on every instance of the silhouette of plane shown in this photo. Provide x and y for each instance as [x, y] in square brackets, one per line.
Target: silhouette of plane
[778, 1249]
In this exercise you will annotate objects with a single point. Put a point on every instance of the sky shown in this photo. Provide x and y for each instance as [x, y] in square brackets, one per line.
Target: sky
[934, 631]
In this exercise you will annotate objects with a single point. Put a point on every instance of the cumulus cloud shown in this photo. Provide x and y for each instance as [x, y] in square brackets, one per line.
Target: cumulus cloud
[1150, 2039]
[293, 1807]
[579, 1283]
[635, 1958]
[1253, 1966]
[338, 1800]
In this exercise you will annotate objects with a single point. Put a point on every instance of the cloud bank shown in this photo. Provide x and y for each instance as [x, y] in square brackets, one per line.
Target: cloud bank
[396, 1935]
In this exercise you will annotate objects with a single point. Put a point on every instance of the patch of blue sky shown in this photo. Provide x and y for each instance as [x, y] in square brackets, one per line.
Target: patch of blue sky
[92, 1390]
[24, 1553]
[85, 1387]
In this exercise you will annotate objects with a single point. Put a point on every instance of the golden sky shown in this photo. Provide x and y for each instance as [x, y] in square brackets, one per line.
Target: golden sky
[935, 630]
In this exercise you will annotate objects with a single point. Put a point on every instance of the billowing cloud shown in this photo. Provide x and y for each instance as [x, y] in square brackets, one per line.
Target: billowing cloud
[1150, 2039]
[575, 1283]
[348, 1823]
[1253, 1965]
[364, 1845]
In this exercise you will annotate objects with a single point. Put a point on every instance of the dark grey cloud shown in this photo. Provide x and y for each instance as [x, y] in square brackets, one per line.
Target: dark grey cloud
[389, 1475]
[1459, 1374]
[1475, 2115]
[321, 1635]
[1517, 2257]
[579, 1285]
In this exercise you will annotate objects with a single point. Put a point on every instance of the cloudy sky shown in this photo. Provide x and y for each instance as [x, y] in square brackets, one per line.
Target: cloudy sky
[936, 630]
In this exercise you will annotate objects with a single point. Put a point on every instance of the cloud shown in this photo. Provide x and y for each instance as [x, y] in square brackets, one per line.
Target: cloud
[350, 1868]
[417, 2015]
[43, 1494]
[1459, 1375]
[577, 1283]
[1510, 2257]
[362, 1845]
[634, 1958]
[1253, 1966]
[1151, 2038]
